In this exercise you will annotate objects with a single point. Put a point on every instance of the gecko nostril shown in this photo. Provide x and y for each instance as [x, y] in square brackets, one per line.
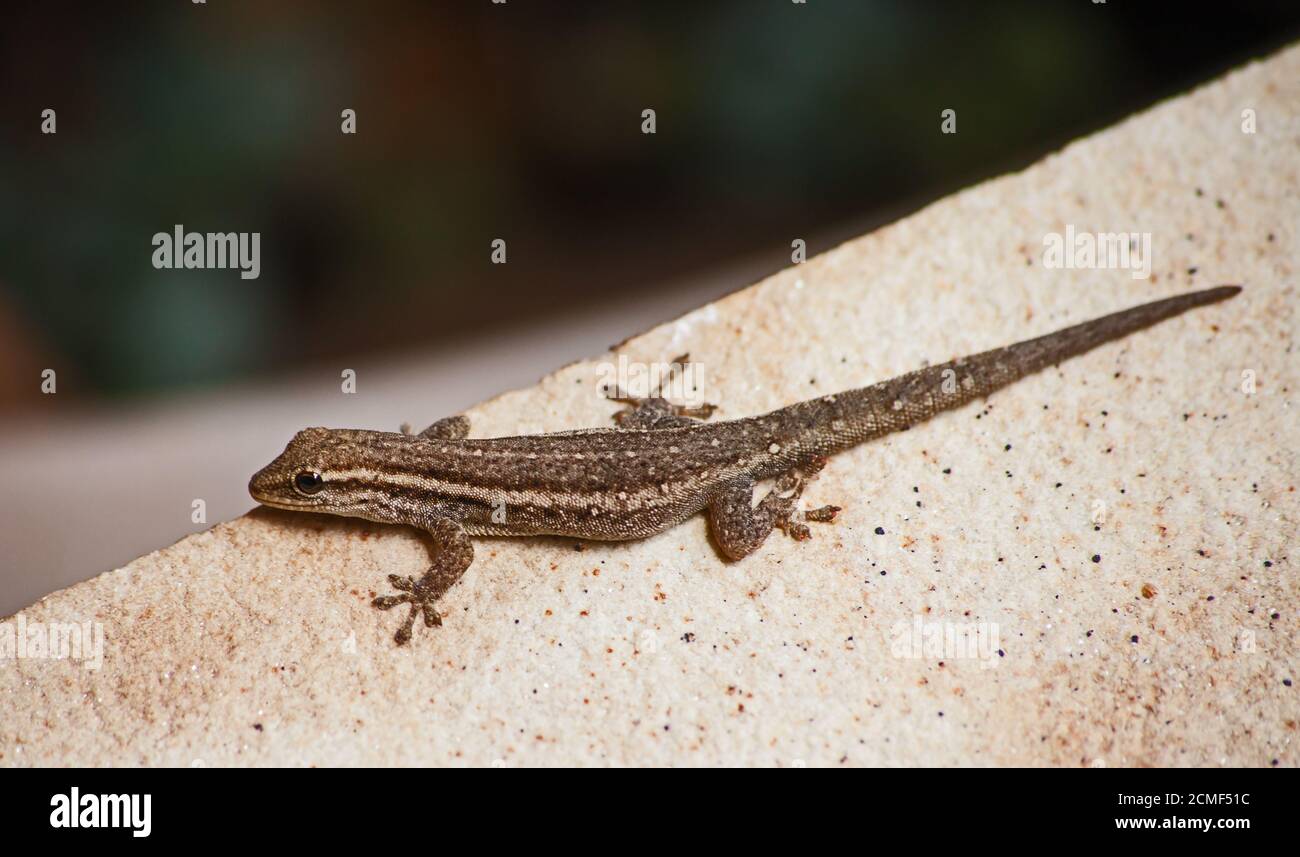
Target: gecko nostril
[258, 485]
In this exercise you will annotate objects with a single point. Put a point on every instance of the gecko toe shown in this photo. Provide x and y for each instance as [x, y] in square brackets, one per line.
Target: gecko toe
[797, 531]
[795, 523]
[823, 515]
[403, 635]
[698, 412]
[420, 594]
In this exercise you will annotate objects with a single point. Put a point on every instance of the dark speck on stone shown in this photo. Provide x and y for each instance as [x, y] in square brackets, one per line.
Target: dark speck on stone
[257, 726]
[1286, 681]
[1096, 557]
[1133, 639]
[880, 531]
[1268, 563]
[1007, 448]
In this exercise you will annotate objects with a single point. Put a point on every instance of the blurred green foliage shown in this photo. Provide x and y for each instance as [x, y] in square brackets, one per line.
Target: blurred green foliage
[477, 121]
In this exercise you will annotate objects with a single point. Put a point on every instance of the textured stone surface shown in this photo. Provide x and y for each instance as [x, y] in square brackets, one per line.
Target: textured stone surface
[253, 643]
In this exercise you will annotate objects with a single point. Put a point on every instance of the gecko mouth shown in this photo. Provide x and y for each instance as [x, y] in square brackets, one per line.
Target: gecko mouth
[260, 489]
[280, 503]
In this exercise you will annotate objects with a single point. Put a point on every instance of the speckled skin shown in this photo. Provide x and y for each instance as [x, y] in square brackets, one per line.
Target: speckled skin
[654, 471]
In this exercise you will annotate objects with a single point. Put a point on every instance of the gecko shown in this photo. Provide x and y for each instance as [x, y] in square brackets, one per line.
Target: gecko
[661, 464]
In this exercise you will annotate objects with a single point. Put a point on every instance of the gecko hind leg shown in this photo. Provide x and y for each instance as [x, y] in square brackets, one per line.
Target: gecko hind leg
[452, 554]
[740, 528]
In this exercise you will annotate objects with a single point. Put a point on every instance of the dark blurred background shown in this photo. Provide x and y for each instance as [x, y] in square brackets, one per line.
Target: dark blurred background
[520, 121]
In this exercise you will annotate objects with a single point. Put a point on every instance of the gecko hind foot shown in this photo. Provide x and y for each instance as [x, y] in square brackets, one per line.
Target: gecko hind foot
[795, 526]
[792, 521]
[420, 594]
[739, 527]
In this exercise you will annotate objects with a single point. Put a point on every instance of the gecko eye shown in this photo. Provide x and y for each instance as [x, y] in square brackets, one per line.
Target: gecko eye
[308, 482]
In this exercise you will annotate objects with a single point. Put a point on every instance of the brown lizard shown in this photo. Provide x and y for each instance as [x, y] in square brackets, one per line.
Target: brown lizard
[659, 467]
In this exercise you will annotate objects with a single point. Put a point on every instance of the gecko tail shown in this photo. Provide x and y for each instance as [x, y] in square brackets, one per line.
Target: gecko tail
[1035, 354]
[899, 403]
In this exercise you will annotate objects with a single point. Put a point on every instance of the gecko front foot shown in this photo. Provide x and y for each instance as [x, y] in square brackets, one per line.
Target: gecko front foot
[452, 554]
[655, 411]
[659, 413]
[420, 594]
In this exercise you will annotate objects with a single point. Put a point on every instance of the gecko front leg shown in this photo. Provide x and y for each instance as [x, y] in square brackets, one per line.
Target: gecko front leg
[655, 411]
[452, 554]
[659, 413]
[740, 528]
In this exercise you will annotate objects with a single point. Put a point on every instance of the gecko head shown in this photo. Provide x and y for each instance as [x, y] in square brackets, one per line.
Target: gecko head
[304, 476]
